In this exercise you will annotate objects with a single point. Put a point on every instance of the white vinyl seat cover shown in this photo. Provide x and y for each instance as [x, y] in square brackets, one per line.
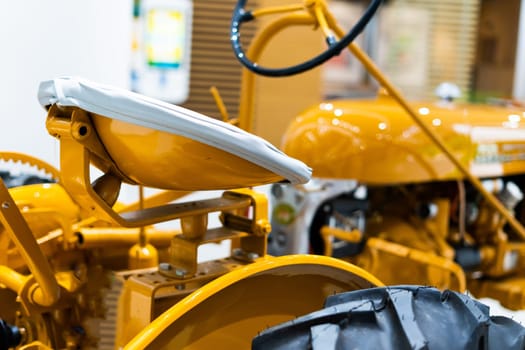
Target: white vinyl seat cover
[148, 112]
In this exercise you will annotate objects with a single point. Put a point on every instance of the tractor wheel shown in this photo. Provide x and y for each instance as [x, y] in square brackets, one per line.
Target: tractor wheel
[398, 317]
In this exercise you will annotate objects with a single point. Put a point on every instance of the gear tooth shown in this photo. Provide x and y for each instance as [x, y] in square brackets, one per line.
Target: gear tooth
[13, 158]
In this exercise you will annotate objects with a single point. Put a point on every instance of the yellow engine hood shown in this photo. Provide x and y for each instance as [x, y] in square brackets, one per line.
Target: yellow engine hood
[376, 142]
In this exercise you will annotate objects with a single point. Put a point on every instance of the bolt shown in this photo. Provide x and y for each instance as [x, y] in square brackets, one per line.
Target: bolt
[238, 252]
[252, 256]
[165, 266]
[180, 272]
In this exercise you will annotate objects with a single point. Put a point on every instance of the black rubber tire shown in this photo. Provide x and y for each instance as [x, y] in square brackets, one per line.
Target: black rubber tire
[397, 317]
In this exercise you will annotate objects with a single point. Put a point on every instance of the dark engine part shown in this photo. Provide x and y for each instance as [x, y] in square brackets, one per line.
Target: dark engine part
[23, 179]
[468, 257]
[345, 212]
[10, 336]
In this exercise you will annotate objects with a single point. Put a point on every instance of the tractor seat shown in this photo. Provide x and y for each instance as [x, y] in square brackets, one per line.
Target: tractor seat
[161, 145]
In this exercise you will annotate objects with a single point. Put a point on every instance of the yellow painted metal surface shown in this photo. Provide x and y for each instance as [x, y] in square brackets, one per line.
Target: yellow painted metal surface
[510, 292]
[229, 311]
[44, 290]
[36, 345]
[142, 256]
[12, 279]
[398, 264]
[40, 202]
[163, 160]
[375, 141]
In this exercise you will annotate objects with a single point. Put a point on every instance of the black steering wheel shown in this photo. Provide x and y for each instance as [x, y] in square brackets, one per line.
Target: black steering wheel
[240, 15]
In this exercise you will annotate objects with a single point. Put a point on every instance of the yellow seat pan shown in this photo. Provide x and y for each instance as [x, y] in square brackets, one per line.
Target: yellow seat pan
[162, 145]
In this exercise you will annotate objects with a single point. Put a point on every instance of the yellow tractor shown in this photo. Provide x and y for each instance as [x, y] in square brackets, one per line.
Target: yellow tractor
[80, 270]
[414, 192]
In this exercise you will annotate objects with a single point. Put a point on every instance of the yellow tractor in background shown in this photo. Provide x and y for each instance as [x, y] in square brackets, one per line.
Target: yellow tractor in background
[81, 270]
[414, 192]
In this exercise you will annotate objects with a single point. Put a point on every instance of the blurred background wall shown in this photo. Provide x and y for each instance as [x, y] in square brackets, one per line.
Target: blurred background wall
[42, 40]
